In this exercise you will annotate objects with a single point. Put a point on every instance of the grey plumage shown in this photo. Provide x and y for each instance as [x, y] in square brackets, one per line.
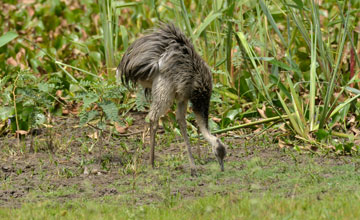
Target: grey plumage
[166, 64]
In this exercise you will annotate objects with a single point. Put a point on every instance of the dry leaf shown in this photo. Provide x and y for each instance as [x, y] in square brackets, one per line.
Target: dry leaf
[11, 61]
[215, 119]
[257, 50]
[38, 39]
[262, 112]
[30, 11]
[246, 120]
[58, 93]
[357, 28]
[65, 112]
[352, 119]
[94, 135]
[357, 142]
[282, 127]
[21, 132]
[86, 171]
[27, 1]
[282, 144]
[332, 147]
[120, 129]
[355, 130]
[84, 35]
[258, 130]
[19, 55]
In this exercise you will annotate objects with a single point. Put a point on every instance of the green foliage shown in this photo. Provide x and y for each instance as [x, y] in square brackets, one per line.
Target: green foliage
[100, 102]
[26, 100]
[7, 37]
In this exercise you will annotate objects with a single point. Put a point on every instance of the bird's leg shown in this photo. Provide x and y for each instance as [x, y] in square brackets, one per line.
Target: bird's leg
[180, 117]
[153, 128]
[162, 98]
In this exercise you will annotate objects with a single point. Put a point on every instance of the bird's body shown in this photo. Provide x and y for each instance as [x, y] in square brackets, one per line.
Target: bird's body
[166, 63]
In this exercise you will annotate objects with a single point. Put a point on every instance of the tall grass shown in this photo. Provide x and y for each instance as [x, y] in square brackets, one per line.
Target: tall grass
[287, 55]
[110, 28]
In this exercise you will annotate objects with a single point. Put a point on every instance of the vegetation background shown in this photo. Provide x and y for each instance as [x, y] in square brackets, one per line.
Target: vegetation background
[286, 69]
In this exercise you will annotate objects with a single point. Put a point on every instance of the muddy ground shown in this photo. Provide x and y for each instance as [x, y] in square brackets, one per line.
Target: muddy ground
[70, 162]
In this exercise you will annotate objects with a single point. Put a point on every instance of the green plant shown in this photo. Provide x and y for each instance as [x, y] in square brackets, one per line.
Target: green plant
[26, 100]
[101, 103]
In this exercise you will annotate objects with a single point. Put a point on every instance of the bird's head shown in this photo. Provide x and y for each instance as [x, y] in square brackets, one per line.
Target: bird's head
[219, 149]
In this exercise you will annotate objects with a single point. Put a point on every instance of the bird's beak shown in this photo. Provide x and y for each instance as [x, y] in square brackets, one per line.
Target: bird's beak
[221, 163]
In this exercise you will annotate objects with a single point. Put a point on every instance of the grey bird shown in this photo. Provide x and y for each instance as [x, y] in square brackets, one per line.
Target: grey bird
[166, 64]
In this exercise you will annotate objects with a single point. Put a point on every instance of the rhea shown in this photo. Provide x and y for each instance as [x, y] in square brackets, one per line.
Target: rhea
[166, 64]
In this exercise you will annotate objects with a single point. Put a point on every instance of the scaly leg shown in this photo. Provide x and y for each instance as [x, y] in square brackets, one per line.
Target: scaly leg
[180, 117]
[153, 128]
[162, 98]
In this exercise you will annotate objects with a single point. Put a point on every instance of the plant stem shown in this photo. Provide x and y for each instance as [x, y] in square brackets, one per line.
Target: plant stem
[252, 123]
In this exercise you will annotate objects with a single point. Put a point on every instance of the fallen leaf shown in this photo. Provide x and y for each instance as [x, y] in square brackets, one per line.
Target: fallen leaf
[65, 112]
[357, 142]
[355, 130]
[94, 135]
[246, 120]
[27, 1]
[262, 112]
[11, 61]
[30, 11]
[332, 147]
[257, 130]
[215, 119]
[120, 129]
[352, 119]
[282, 127]
[282, 144]
[22, 132]
[86, 171]
[20, 55]
[357, 28]
[58, 93]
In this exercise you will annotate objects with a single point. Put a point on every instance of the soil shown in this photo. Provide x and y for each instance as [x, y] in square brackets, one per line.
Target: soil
[67, 161]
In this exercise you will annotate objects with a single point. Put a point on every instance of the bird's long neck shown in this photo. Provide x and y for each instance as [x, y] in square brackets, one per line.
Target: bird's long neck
[203, 126]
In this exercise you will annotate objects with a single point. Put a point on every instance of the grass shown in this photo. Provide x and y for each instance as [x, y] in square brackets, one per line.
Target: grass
[261, 181]
[241, 206]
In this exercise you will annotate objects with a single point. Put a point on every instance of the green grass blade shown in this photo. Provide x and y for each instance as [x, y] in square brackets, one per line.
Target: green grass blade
[71, 77]
[299, 112]
[262, 88]
[228, 47]
[291, 116]
[324, 58]
[76, 68]
[271, 20]
[124, 36]
[299, 23]
[207, 21]
[118, 4]
[186, 19]
[342, 105]
[329, 93]
[7, 37]
[312, 78]
[349, 36]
